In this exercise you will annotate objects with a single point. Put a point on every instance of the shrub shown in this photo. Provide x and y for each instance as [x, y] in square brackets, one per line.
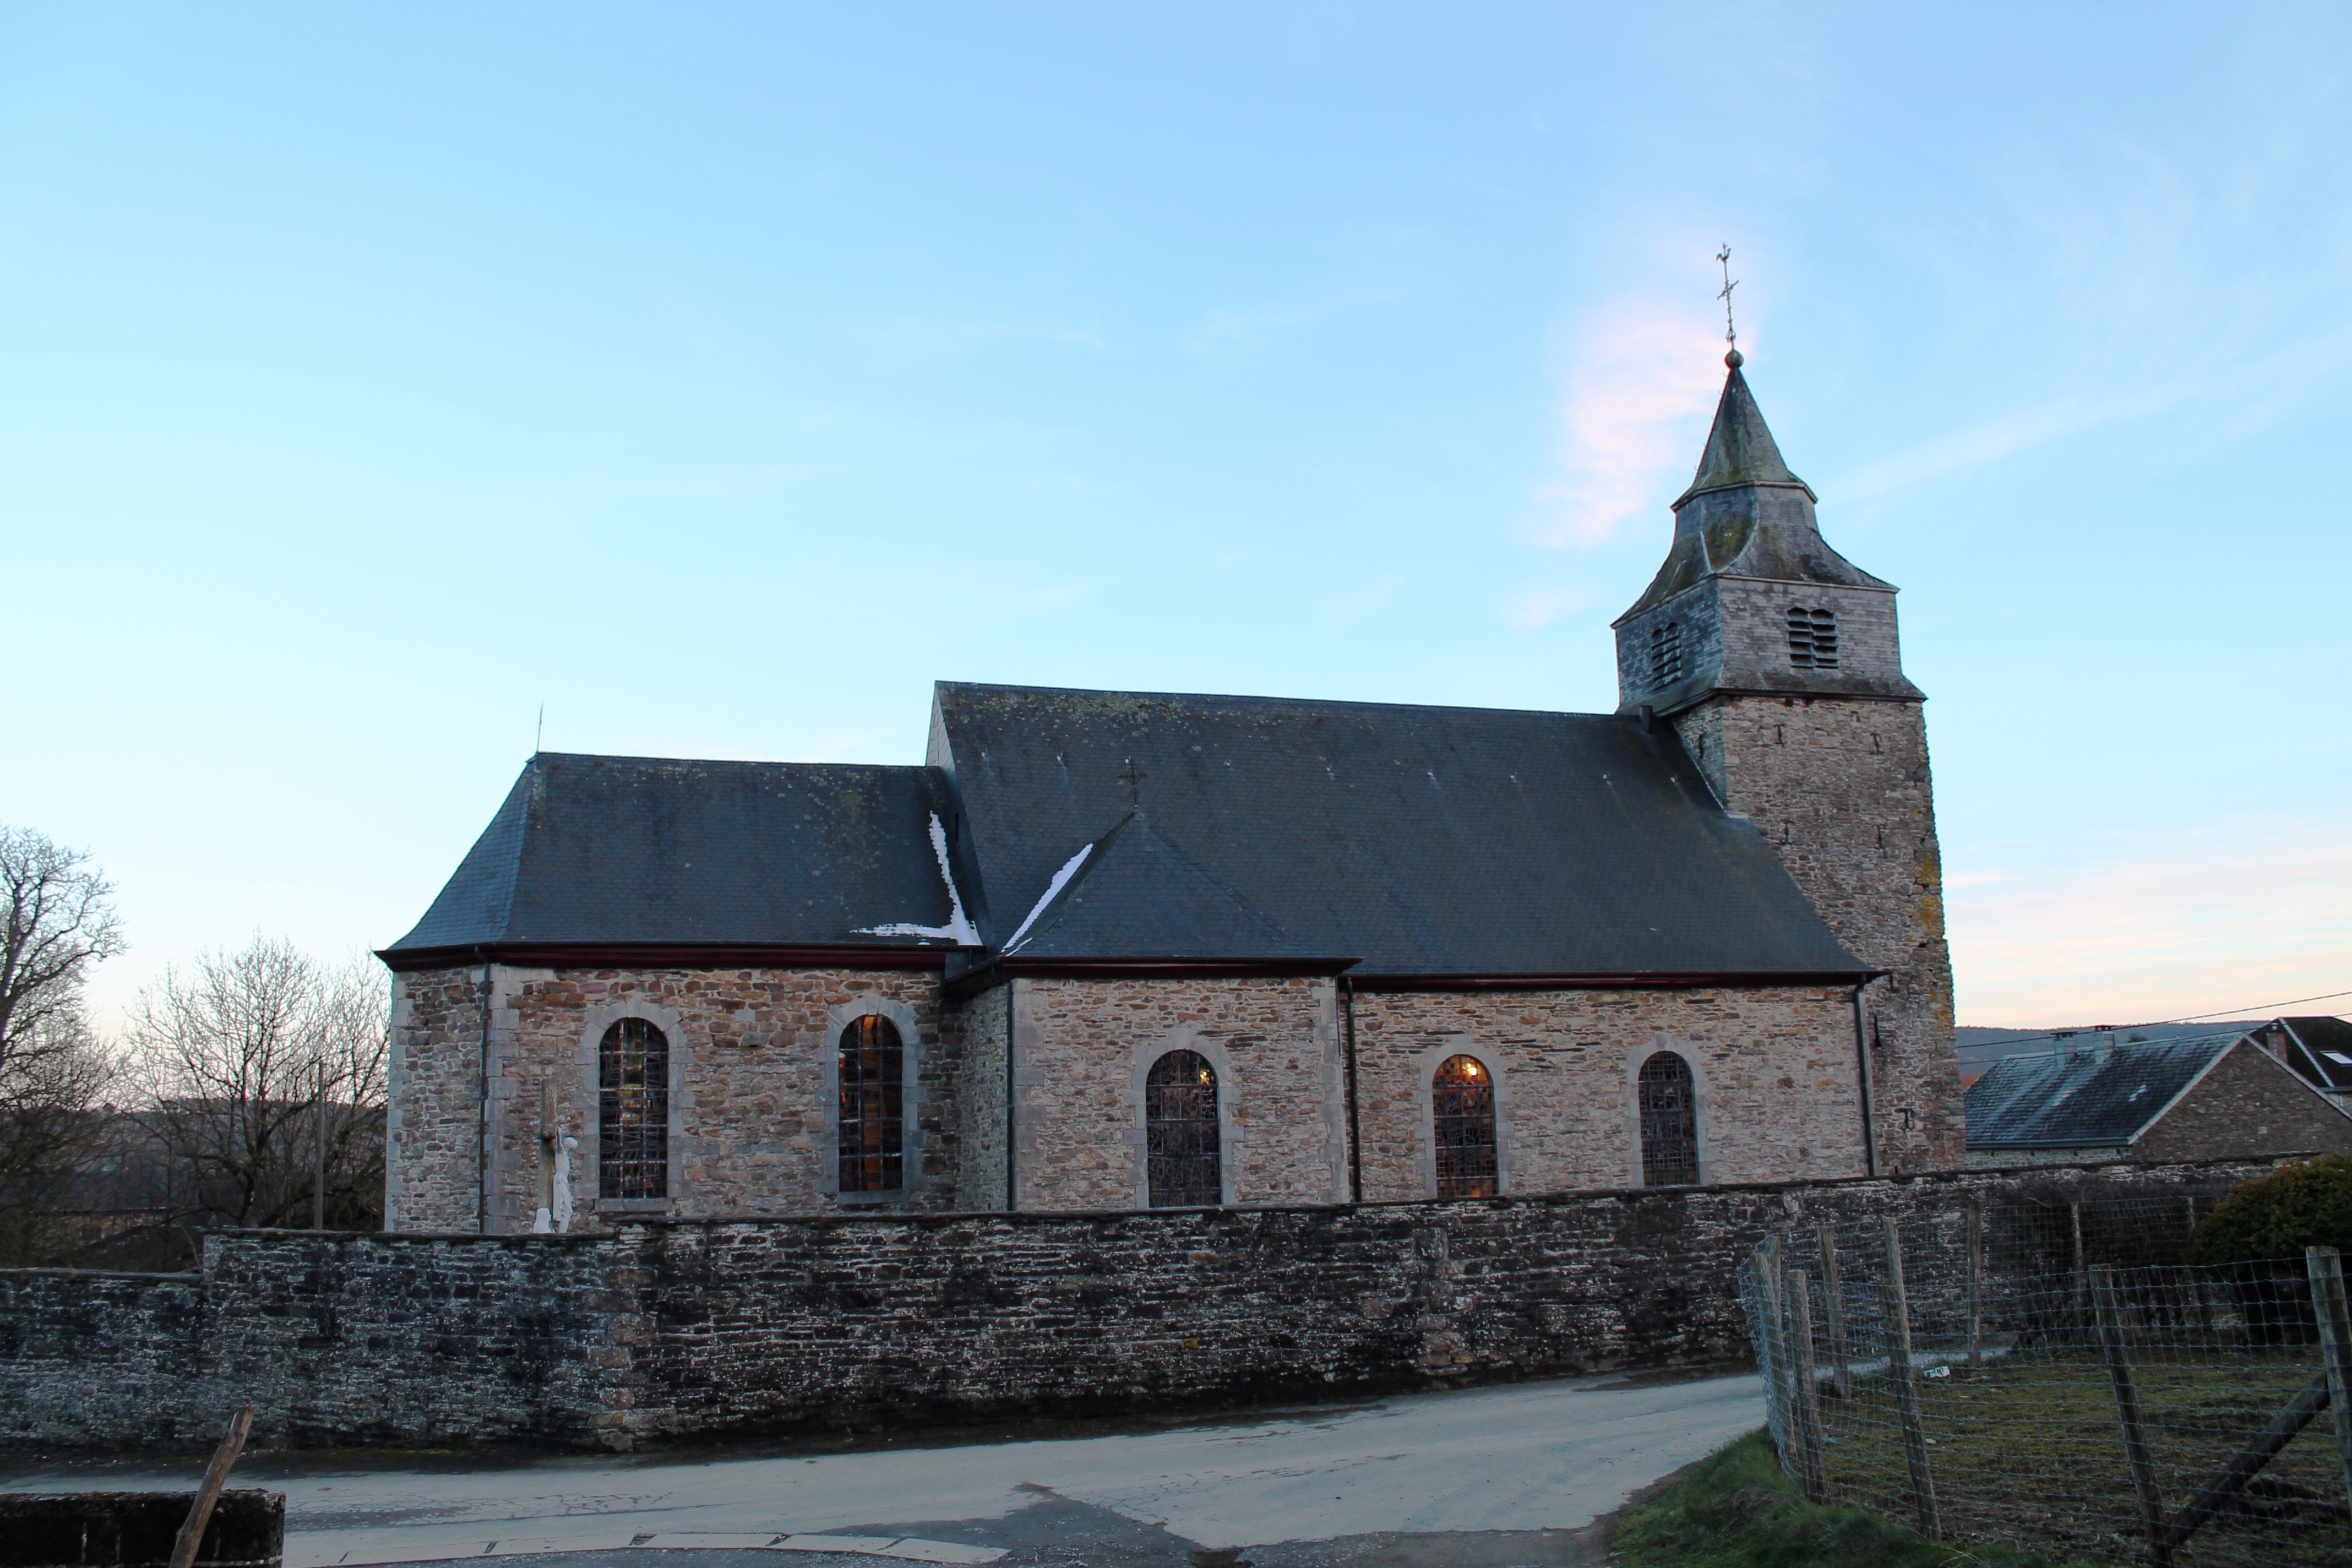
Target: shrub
[2306, 1204]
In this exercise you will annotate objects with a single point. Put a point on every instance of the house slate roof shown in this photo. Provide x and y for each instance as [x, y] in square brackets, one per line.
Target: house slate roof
[2089, 1098]
[1417, 840]
[2320, 1049]
[649, 850]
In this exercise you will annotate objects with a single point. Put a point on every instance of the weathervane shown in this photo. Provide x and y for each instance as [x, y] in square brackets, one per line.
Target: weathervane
[1730, 333]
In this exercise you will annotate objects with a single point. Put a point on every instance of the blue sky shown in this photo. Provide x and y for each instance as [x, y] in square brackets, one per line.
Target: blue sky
[720, 376]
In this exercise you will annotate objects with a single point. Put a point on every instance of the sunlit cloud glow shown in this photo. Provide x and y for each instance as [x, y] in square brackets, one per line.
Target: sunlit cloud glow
[1641, 376]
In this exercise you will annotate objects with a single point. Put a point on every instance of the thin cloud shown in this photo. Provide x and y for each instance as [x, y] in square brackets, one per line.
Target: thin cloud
[1643, 377]
[1537, 606]
[2174, 927]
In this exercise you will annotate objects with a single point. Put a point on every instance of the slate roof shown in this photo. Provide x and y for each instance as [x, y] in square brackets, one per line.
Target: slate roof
[2320, 1049]
[1419, 840]
[2086, 1098]
[649, 850]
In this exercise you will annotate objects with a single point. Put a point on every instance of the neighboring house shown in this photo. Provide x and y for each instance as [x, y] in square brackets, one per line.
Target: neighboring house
[2319, 1050]
[2218, 1097]
[1108, 949]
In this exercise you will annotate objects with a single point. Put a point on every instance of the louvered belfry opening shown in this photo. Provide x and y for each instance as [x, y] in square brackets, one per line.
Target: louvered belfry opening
[873, 1107]
[1179, 1132]
[1669, 1123]
[1813, 638]
[1666, 653]
[632, 1111]
[1462, 1102]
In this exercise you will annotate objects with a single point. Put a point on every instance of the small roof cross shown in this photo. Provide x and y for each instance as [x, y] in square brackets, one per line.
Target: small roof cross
[1134, 776]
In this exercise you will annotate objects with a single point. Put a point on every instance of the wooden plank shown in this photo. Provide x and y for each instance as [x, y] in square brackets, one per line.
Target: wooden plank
[1895, 1306]
[2108, 1309]
[1798, 1317]
[1976, 1283]
[200, 1512]
[2248, 1460]
[1833, 1298]
[2328, 1304]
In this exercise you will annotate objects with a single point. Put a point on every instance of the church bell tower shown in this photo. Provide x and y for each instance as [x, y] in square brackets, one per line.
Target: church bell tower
[1775, 661]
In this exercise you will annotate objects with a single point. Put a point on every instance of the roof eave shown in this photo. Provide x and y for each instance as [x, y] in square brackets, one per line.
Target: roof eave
[667, 956]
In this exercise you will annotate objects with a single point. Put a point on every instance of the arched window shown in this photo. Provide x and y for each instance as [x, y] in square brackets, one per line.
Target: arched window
[1179, 1132]
[1462, 1101]
[873, 1107]
[1669, 1123]
[632, 1111]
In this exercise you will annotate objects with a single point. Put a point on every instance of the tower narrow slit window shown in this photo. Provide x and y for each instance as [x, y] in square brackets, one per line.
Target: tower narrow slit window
[1462, 1106]
[873, 1120]
[1666, 653]
[1183, 1164]
[632, 1111]
[1669, 1103]
[1812, 638]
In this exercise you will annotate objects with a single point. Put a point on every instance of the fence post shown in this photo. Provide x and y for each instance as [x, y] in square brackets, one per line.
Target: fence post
[2336, 1345]
[2143, 1469]
[1834, 1295]
[1764, 1266]
[2078, 1283]
[1896, 1306]
[1976, 1283]
[1797, 1321]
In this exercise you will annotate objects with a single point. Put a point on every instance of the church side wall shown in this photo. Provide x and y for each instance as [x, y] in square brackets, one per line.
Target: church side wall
[695, 1331]
[1775, 1071]
[1841, 788]
[981, 1022]
[1081, 1049]
[433, 1115]
[751, 1059]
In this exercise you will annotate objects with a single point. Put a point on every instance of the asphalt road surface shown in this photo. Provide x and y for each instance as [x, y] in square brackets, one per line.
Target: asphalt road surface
[1489, 1477]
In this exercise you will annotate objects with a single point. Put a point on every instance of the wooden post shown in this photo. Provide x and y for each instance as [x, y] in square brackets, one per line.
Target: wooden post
[1834, 1296]
[1771, 1354]
[200, 1512]
[2335, 1346]
[2109, 1310]
[1976, 1283]
[2076, 1283]
[547, 1139]
[1798, 1319]
[1896, 1308]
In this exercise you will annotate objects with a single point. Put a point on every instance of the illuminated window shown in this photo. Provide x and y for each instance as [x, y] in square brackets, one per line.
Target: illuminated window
[873, 1107]
[1180, 1131]
[632, 1111]
[1813, 638]
[1462, 1098]
[1669, 1123]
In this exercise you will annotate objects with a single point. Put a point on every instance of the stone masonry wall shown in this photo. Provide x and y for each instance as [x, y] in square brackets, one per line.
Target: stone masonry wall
[982, 1022]
[433, 1114]
[1842, 790]
[1082, 1046]
[676, 1329]
[1775, 1071]
[2248, 1105]
[752, 1087]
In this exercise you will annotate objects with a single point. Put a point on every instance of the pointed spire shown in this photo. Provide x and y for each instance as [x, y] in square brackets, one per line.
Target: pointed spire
[1740, 450]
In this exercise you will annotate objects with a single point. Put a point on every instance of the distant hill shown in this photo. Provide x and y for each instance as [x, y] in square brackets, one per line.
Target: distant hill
[1981, 1047]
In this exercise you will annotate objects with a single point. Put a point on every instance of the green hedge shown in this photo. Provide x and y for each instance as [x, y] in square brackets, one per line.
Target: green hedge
[2307, 1204]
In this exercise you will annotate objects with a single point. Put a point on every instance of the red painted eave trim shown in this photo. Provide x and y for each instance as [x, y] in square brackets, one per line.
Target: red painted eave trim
[667, 955]
[1767, 980]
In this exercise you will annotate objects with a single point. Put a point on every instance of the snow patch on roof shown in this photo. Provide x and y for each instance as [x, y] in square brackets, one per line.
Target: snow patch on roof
[957, 930]
[1061, 879]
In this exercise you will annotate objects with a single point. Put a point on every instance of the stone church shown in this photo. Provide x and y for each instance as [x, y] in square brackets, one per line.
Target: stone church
[1110, 950]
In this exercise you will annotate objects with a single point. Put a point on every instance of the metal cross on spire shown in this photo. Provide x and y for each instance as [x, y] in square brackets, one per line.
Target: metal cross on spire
[1730, 333]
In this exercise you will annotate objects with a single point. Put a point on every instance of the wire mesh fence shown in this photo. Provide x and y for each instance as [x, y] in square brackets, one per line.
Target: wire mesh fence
[2045, 1370]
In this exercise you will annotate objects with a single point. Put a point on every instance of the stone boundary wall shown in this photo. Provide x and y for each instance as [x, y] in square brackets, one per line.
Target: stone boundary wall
[729, 1328]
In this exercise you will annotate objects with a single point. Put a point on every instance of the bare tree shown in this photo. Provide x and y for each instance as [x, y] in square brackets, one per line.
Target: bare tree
[56, 924]
[264, 1078]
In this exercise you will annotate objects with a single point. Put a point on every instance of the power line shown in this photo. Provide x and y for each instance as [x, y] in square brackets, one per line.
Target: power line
[2263, 1008]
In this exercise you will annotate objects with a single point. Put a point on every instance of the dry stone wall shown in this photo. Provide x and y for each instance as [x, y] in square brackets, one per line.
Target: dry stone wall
[663, 1330]
[1775, 1071]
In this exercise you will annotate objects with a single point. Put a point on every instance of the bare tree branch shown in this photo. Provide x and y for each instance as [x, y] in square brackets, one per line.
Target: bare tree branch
[55, 923]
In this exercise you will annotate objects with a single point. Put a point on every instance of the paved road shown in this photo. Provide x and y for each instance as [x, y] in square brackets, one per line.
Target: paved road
[1475, 1478]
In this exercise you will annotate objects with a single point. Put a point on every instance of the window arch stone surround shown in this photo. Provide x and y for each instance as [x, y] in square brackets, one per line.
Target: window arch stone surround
[1424, 1078]
[1634, 1057]
[912, 1139]
[1228, 1096]
[587, 1161]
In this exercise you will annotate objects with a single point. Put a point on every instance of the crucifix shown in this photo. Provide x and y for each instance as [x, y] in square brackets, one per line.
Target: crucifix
[1730, 334]
[1134, 777]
